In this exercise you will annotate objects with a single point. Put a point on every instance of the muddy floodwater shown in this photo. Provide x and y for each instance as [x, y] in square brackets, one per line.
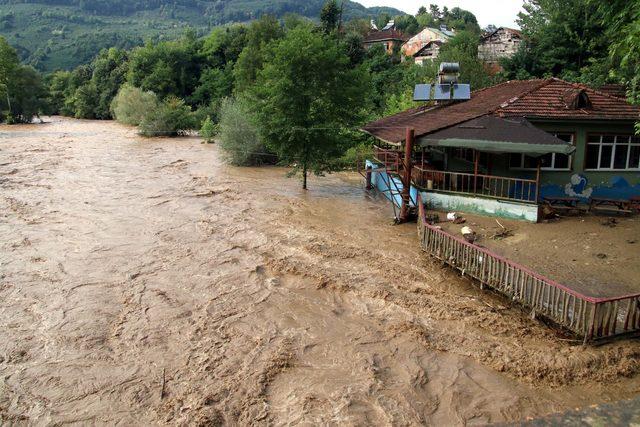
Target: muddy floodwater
[143, 281]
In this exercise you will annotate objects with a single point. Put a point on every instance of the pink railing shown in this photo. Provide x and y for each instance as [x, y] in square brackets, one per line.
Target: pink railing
[498, 187]
[589, 317]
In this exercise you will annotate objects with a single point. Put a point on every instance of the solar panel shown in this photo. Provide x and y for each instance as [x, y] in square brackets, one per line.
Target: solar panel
[422, 93]
[442, 92]
[461, 91]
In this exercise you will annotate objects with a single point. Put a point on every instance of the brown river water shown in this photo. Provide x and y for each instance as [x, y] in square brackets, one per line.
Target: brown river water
[143, 281]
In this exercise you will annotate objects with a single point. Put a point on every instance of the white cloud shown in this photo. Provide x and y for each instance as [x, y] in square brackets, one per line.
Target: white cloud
[497, 12]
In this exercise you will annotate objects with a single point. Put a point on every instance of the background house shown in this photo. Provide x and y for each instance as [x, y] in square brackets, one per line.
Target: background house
[389, 37]
[501, 43]
[430, 52]
[420, 40]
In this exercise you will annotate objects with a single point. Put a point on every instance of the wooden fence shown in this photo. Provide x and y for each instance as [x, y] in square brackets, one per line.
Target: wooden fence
[589, 317]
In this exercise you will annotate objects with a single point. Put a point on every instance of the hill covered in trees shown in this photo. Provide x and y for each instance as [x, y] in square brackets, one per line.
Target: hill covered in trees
[62, 34]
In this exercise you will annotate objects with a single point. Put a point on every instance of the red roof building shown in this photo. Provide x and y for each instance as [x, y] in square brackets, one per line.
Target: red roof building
[461, 139]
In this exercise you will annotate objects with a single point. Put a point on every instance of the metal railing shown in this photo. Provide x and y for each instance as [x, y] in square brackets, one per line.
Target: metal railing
[498, 187]
[391, 159]
[589, 317]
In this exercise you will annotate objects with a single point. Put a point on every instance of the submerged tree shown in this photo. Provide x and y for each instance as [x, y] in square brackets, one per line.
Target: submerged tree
[307, 97]
[22, 93]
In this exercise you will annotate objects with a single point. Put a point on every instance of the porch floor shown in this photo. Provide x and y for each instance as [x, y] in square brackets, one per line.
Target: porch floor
[579, 252]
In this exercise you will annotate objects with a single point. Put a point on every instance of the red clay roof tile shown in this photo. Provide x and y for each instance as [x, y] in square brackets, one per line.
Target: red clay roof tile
[541, 99]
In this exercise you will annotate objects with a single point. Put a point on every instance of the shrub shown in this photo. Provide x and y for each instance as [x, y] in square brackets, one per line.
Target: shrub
[210, 110]
[239, 136]
[167, 119]
[208, 130]
[355, 156]
[131, 104]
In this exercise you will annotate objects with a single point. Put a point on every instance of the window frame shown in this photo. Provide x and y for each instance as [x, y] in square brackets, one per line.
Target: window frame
[614, 146]
[569, 167]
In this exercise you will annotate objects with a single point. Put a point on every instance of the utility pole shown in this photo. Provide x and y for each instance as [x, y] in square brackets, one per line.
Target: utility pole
[406, 181]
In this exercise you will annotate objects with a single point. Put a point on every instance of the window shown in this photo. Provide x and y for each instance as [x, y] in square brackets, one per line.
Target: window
[551, 161]
[468, 155]
[613, 152]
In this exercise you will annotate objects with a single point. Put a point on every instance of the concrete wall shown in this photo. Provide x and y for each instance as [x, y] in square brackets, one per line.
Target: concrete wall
[481, 205]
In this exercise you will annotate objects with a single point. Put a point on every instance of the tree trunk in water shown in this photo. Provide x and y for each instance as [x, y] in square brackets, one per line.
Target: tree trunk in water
[304, 176]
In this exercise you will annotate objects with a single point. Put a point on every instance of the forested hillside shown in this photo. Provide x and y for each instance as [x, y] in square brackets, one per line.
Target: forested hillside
[61, 34]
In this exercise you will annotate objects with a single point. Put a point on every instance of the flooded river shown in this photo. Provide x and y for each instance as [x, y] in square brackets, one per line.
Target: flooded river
[143, 281]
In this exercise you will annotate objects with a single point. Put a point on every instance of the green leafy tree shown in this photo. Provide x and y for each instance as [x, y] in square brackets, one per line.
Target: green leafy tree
[383, 19]
[109, 73]
[167, 68]
[22, 92]
[562, 38]
[330, 16]
[250, 61]
[215, 84]
[307, 97]
[621, 19]
[58, 84]
[224, 45]
[85, 101]
[9, 64]
[27, 94]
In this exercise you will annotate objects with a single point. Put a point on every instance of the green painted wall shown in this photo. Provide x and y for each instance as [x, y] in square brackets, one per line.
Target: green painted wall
[614, 184]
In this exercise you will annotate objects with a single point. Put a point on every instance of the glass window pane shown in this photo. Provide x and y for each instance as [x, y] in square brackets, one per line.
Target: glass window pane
[634, 157]
[620, 157]
[530, 162]
[635, 139]
[592, 156]
[622, 139]
[605, 156]
[566, 137]
[593, 138]
[546, 161]
[515, 160]
[608, 139]
[562, 161]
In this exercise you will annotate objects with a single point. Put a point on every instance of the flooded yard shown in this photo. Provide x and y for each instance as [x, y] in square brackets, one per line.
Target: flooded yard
[595, 255]
[143, 281]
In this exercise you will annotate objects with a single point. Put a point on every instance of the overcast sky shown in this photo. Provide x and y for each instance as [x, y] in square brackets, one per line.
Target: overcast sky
[497, 12]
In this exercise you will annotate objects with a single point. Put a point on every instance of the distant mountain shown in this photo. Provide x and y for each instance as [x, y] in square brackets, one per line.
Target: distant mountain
[61, 34]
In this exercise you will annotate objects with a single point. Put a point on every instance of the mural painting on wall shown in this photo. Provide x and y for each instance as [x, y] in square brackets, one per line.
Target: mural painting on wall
[577, 187]
[618, 188]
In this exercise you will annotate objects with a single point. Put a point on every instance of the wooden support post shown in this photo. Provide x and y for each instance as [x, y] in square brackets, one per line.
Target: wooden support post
[476, 161]
[406, 182]
[538, 180]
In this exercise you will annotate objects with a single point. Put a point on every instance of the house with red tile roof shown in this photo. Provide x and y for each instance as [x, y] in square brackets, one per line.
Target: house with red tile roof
[389, 37]
[513, 146]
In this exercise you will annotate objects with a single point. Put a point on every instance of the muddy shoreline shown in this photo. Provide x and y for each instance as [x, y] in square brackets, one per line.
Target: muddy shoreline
[129, 263]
